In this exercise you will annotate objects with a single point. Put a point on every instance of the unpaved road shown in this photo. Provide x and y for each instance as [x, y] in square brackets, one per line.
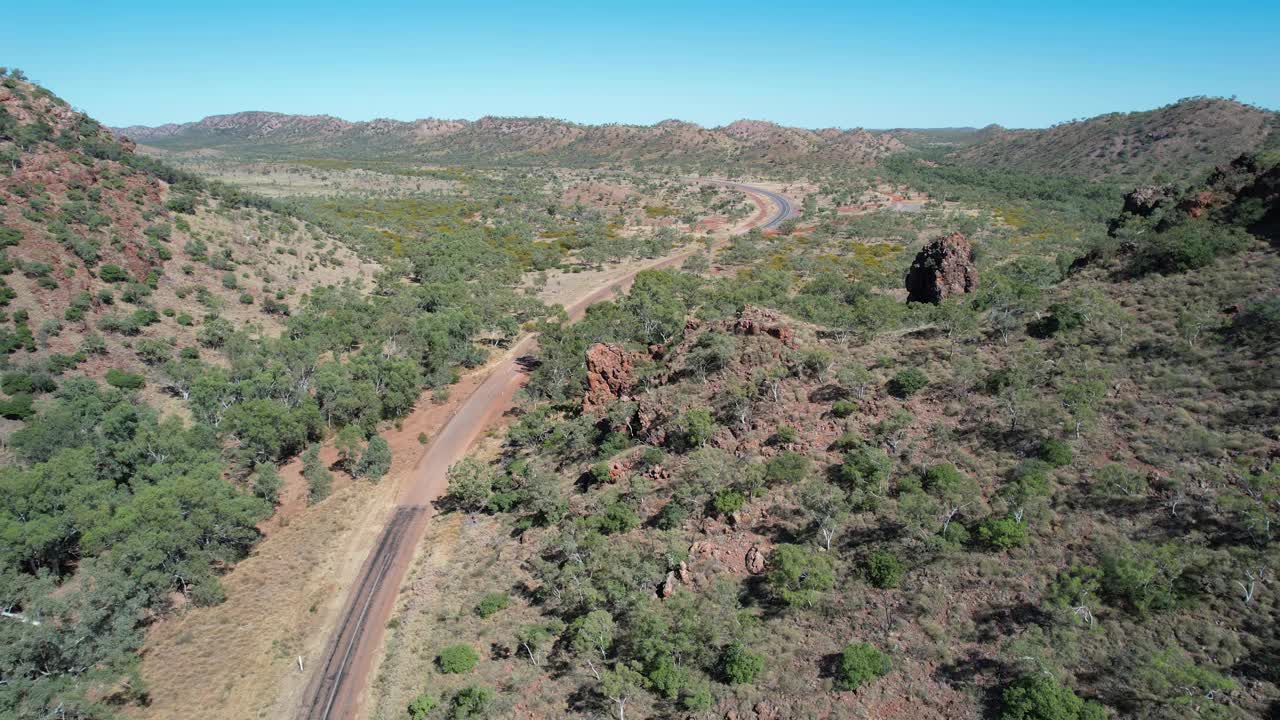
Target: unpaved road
[336, 691]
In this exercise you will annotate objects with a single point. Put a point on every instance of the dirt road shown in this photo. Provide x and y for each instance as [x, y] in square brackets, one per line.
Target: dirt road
[337, 689]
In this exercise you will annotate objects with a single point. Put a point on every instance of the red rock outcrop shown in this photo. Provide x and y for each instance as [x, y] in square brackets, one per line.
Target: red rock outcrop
[610, 373]
[759, 321]
[942, 269]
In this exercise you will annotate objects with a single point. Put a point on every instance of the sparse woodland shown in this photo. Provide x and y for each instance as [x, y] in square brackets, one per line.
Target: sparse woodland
[1055, 496]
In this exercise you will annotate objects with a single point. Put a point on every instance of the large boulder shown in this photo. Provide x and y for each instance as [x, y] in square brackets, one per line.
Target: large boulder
[1144, 200]
[610, 374]
[942, 269]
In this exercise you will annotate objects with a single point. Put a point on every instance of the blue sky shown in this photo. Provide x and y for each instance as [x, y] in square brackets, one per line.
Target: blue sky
[812, 64]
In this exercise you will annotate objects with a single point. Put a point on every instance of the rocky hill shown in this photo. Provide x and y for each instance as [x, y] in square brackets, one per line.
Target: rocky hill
[1180, 141]
[113, 261]
[499, 140]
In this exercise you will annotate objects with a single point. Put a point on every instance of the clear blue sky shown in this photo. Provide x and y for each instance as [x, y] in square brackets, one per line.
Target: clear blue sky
[813, 64]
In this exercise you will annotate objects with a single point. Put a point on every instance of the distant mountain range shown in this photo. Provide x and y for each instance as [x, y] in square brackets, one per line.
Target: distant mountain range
[1178, 140]
[519, 140]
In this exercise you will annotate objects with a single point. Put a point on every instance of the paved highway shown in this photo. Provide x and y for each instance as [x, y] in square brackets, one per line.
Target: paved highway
[784, 209]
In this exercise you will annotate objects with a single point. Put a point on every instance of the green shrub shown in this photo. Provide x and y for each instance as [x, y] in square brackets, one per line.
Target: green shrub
[697, 697]
[112, 274]
[471, 703]
[9, 236]
[695, 428]
[267, 482]
[954, 534]
[319, 479]
[848, 441]
[667, 678]
[786, 467]
[124, 380]
[885, 570]
[421, 707]
[492, 603]
[1062, 316]
[943, 478]
[1002, 533]
[1259, 325]
[671, 516]
[1187, 246]
[907, 383]
[784, 435]
[865, 467]
[860, 663]
[799, 575]
[1041, 697]
[739, 666]
[457, 659]
[14, 383]
[599, 473]
[1055, 452]
[728, 502]
[843, 408]
[143, 317]
[651, 456]
[618, 517]
[1146, 578]
[376, 460]
[1117, 481]
[18, 407]
[470, 483]
[612, 444]
[180, 203]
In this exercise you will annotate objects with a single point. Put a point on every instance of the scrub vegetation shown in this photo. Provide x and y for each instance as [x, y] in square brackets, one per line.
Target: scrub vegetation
[1056, 495]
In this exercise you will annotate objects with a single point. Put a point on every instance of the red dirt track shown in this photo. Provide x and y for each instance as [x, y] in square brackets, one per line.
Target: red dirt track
[337, 689]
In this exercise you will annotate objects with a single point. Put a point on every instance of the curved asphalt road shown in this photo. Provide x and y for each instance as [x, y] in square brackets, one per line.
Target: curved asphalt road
[785, 210]
[335, 691]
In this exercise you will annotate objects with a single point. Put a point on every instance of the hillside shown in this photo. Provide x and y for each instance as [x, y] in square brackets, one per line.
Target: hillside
[956, 136]
[776, 490]
[981, 431]
[1179, 141]
[115, 262]
[495, 140]
[168, 343]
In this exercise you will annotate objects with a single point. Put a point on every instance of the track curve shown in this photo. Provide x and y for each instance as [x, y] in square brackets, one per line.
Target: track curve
[336, 688]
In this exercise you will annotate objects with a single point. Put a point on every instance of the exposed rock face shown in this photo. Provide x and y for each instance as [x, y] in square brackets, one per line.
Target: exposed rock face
[1144, 200]
[610, 373]
[755, 561]
[1241, 191]
[668, 586]
[766, 711]
[618, 469]
[942, 269]
[759, 321]
[1197, 204]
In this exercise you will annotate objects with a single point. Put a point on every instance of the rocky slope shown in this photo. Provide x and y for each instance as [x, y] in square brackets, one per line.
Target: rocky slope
[518, 140]
[112, 261]
[1180, 141]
